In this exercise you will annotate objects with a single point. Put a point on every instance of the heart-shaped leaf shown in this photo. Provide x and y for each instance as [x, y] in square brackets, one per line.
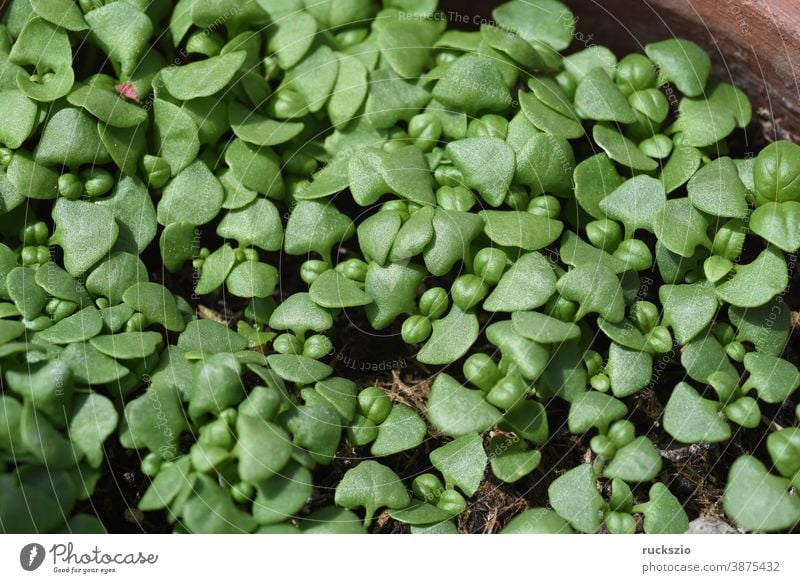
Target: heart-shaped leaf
[717, 189]
[777, 223]
[371, 485]
[401, 430]
[462, 462]
[575, 498]
[456, 410]
[756, 283]
[638, 461]
[692, 419]
[757, 500]
[774, 379]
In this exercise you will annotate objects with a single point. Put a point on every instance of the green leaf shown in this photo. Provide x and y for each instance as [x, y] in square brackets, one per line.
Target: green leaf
[215, 270]
[473, 84]
[406, 172]
[628, 370]
[681, 166]
[520, 229]
[90, 366]
[544, 329]
[702, 123]
[332, 520]
[767, 326]
[778, 223]
[136, 217]
[681, 62]
[78, 327]
[420, 513]
[349, 92]
[107, 106]
[333, 290]
[527, 285]
[300, 314]
[546, 164]
[549, 120]
[202, 78]
[575, 498]
[537, 521]
[44, 442]
[27, 52]
[315, 428]
[194, 196]
[680, 227]
[178, 244]
[453, 232]
[757, 500]
[93, 419]
[400, 431]
[259, 130]
[116, 274]
[226, 517]
[128, 345]
[705, 356]
[28, 297]
[688, 309]
[462, 462]
[283, 495]
[314, 77]
[262, 447]
[341, 394]
[371, 486]
[252, 279]
[596, 288]
[594, 409]
[216, 385]
[456, 410]
[775, 172]
[108, 21]
[294, 38]
[406, 43]
[85, 231]
[621, 149]
[48, 386]
[774, 379]
[30, 179]
[784, 450]
[392, 98]
[689, 418]
[209, 337]
[487, 164]
[316, 226]
[452, 337]
[597, 97]
[392, 289]
[510, 462]
[414, 235]
[595, 178]
[663, 513]
[63, 13]
[156, 303]
[634, 203]
[70, 138]
[20, 115]
[298, 368]
[175, 135]
[545, 21]
[756, 283]
[527, 420]
[638, 461]
[716, 189]
[166, 486]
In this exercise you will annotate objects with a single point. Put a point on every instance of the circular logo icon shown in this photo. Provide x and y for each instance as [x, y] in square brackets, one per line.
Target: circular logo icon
[31, 556]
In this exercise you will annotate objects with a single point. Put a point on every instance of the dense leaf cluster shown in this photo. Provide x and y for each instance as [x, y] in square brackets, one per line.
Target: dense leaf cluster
[542, 227]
